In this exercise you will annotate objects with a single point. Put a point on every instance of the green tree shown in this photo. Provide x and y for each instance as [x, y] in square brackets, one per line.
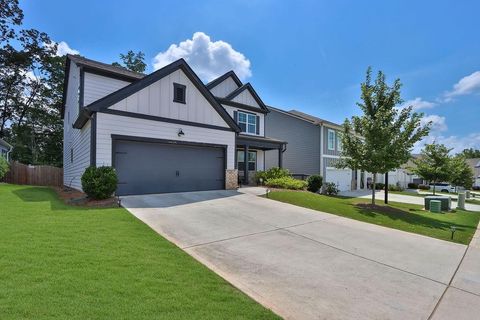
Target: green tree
[470, 153]
[434, 163]
[461, 174]
[381, 139]
[31, 86]
[132, 61]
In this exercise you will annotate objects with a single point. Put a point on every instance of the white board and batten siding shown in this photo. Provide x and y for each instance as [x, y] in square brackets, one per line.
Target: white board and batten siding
[224, 88]
[245, 97]
[97, 87]
[157, 100]
[261, 131]
[76, 139]
[108, 124]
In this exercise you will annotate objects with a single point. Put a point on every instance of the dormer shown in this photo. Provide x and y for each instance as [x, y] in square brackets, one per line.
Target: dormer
[242, 103]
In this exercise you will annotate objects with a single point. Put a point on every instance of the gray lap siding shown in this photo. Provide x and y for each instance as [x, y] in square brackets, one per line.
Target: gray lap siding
[303, 149]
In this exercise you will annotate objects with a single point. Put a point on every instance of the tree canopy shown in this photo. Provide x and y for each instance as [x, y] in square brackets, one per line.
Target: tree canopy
[433, 165]
[382, 138]
[132, 61]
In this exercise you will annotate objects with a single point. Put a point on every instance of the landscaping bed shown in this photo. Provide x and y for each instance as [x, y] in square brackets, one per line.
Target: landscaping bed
[69, 262]
[77, 198]
[406, 217]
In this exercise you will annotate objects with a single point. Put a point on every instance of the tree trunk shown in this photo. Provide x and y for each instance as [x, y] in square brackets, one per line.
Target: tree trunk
[386, 188]
[373, 187]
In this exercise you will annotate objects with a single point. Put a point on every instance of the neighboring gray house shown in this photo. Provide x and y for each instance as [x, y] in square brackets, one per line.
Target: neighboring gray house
[474, 164]
[162, 132]
[314, 147]
[5, 149]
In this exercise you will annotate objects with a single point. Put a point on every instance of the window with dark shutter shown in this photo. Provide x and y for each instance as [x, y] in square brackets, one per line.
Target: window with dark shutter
[179, 93]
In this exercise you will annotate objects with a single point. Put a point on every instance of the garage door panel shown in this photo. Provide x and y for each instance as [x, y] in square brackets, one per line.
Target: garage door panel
[147, 167]
[341, 177]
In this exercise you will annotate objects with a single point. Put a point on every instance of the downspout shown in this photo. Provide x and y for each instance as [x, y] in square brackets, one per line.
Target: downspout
[8, 153]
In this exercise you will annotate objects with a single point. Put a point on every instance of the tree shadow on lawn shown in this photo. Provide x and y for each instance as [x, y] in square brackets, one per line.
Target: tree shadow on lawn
[407, 216]
[44, 194]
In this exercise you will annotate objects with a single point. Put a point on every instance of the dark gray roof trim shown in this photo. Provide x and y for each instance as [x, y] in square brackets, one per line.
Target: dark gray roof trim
[107, 69]
[248, 86]
[312, 118]
[240, 105]
[65, 87]
[212, 84]
[257, 138]
[136, 86]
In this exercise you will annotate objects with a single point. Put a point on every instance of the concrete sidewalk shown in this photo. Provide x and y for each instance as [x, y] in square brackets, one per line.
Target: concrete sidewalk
[395, 197]
[305, 264]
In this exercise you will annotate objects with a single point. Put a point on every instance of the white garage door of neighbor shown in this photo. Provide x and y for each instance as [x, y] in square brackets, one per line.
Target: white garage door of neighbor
[341, 177]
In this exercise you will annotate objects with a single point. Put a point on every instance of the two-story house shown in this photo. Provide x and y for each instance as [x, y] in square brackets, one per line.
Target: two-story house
[162, 132]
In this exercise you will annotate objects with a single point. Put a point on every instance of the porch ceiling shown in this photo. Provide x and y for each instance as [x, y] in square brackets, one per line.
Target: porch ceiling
[262, 143]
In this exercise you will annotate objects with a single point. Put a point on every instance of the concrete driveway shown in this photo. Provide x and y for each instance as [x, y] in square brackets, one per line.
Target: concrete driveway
[305, 264]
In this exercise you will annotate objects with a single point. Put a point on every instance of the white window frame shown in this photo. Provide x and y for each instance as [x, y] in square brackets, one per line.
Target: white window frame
[339, 142]
[247, 115]
[331, 142]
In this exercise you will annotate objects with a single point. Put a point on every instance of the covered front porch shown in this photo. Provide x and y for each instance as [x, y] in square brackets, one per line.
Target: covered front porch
[250, 155]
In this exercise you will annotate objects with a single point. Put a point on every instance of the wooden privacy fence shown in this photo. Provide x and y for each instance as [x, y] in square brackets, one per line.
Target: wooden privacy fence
[34, 175]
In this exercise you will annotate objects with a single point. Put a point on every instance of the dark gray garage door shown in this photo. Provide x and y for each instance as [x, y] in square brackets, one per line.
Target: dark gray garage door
[151, 167]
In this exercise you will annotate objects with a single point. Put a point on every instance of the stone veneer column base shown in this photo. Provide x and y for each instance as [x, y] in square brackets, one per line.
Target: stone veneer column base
[231, 179]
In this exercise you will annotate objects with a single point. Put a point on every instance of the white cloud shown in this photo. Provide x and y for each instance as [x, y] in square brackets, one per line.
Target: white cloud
[209, 59]
[456, 143]
[438, 123]
[418, 103]
[63, 48]
[466, 85]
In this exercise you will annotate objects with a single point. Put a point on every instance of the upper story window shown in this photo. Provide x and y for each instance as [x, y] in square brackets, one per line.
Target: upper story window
[179, 93]
[339, 142]
[247, 122]
[331, 139]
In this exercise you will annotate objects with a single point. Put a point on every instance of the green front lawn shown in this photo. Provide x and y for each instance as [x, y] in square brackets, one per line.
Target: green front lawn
[454, 196]
[400, 216]
[63, 262]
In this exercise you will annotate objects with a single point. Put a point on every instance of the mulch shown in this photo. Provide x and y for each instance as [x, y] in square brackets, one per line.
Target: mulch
[77, 198]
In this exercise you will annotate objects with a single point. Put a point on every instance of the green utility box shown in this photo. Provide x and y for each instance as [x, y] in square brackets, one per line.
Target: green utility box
[435, 206]
[445, 201]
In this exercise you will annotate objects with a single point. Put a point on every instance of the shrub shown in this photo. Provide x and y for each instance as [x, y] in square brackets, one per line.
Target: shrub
[99, 183]
[286, 183]
[379, 186]
[331, 189]
[412, 185]
[4, 167]
[423, 187]
[394, 187]
[314, 183]
[272, 173]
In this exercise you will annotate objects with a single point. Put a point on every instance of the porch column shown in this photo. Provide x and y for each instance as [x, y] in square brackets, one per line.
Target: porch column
[280, 157]
[245, 164]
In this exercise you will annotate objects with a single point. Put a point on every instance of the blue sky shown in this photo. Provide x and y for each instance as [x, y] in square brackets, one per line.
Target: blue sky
[305, 55]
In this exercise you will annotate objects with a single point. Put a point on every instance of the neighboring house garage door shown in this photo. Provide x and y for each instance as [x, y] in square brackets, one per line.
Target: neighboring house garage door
[341, 177]
[152, 167]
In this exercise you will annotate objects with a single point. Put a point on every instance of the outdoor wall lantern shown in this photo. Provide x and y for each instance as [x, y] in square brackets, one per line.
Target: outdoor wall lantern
[181, 133]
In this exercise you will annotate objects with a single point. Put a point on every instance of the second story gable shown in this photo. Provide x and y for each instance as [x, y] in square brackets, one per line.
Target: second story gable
[241, 102]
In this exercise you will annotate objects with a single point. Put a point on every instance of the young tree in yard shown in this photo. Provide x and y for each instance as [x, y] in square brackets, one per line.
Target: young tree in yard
[434, 164]
[132, 61]
[381, 139]
[461, 175]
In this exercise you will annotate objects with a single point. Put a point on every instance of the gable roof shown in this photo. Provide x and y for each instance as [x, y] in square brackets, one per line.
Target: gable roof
[314, 119]
[97, 67]
[212, 84]
[108, 69]
[247, 86]
[144, 82]
[473, 163]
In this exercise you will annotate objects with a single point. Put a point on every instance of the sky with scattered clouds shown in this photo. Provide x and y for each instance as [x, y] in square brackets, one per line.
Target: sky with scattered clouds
[304, 55]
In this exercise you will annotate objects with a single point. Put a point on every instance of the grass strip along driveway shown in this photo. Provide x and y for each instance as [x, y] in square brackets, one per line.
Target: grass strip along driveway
[406, 217]
[64, 262]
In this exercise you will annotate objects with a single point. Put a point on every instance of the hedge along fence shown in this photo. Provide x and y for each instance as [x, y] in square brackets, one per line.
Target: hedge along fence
[34, 175]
